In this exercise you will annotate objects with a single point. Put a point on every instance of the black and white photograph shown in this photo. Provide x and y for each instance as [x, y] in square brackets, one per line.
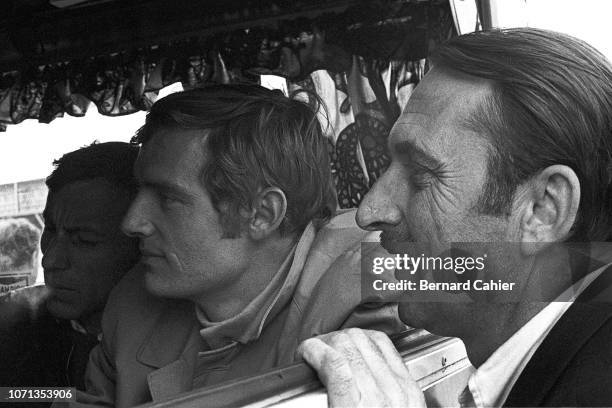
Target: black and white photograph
[305, 203]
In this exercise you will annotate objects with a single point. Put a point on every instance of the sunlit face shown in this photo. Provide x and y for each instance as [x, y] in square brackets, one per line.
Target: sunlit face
[84, 251]
[185, 251]
[431, 188]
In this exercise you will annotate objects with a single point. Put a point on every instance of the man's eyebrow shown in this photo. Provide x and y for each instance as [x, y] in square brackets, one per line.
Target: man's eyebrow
[414, 152]
[87, 229]
[164, 187]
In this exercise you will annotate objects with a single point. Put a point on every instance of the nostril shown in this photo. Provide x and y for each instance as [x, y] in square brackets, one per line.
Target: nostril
[137, 228]
[128, 228]
[375, 226]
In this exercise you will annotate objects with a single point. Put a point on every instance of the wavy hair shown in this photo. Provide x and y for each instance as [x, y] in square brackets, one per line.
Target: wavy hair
[255, 138]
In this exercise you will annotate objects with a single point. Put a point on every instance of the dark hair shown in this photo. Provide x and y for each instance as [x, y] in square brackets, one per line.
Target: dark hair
[552, 104]
[256, 138]
[113, 161]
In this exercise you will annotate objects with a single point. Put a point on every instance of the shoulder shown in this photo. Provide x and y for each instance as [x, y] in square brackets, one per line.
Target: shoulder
[336, 246]
[130, 308]
[329, 294]
[132, 315]
[335, 259]
[338, 239]
[28, 356]
[591, 369]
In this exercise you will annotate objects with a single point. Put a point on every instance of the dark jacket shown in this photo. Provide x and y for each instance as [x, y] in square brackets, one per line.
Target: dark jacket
[573, 366]
[36, 349]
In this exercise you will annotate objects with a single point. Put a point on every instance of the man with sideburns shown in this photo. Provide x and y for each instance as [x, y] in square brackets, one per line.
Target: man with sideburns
[242, 256]
[506, 143]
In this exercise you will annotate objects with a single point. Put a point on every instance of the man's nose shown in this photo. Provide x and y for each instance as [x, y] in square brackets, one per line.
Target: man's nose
[55, 256]
[377, 210]
[135, 223]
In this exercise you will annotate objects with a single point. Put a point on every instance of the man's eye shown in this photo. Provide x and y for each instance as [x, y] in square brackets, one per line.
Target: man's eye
[420, 181]
[420, 177]
[82, 241]
[167, 200]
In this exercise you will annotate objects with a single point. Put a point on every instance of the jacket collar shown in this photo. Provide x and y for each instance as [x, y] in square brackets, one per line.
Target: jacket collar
[249, 323]
[177, 320]
[180, 321]
[590, 312]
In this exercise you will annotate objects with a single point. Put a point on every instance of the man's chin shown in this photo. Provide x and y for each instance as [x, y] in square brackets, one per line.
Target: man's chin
[153, 264]
[155, 284]
[62, 309]
[430, 316]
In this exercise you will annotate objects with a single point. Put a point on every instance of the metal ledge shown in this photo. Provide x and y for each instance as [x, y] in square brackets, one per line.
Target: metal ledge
[439, 364]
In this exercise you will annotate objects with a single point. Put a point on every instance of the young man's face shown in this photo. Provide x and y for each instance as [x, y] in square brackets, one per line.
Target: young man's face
[84, 251]
[429, 192]
[184, 248]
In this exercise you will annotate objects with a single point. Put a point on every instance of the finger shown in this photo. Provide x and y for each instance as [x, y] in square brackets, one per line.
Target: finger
[393, 370]
[364, 377]
[334, 372]
[389, 352]
[384, 386]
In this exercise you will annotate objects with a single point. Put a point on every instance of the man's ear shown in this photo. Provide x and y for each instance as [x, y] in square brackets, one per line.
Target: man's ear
[550, 208]
[267, 213]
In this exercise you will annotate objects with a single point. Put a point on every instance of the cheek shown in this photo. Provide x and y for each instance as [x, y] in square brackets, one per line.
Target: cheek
[98, 270]
[67, 305]
[195, 242]
[423, 218]
[95, 286]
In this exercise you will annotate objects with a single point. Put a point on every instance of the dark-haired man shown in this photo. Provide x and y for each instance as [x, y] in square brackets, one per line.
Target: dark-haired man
[48, 331]
[242, 258]
[507, 144]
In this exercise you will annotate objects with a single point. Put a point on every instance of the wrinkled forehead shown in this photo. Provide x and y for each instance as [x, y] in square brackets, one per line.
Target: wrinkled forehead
[441, 106]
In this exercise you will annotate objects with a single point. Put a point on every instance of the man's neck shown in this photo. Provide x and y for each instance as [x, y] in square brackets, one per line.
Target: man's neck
[264, 263]
[482, 342]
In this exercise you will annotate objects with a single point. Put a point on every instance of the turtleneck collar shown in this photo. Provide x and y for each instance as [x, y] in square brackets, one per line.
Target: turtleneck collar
[247, 325]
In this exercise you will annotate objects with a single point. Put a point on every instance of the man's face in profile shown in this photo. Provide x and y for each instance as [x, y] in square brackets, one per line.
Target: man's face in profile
[84, 251]
[185, 251]
[430, 191]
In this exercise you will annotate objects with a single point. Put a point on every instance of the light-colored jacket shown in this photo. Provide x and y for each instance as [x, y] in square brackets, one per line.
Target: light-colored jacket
[152, 347]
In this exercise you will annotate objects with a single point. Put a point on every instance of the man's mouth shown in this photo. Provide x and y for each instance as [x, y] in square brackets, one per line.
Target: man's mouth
[60, 292]
[146, 252]
[151, 255]
[57, 286]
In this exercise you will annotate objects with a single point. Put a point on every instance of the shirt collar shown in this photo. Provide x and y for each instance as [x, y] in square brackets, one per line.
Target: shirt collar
[491, 383]
[247, 325]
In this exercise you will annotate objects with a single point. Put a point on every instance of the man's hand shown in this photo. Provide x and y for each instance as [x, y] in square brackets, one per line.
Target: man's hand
[361, 368]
